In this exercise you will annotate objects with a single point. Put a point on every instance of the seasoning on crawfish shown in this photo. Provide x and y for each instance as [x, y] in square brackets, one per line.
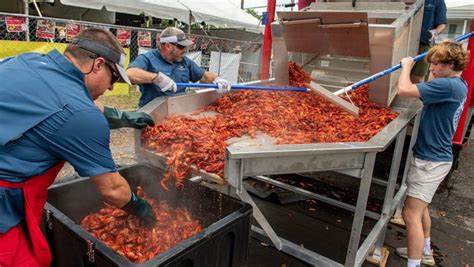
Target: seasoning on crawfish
[297, 77]
[124, 234]
[290, 117]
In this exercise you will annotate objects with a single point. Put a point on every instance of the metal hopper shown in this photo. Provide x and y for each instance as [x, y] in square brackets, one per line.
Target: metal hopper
[341, 44]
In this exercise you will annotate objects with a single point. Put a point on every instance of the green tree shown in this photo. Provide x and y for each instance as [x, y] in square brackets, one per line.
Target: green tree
[254, 13]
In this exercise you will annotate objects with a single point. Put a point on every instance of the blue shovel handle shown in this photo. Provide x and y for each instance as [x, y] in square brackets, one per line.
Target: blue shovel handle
[244, 87]
[392, 69]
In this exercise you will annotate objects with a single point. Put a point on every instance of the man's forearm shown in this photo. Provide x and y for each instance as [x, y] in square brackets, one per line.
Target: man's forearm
[208, 77]
[139, 76]
[113, 188]
[405, 86]
[440, 28]
[404, 81]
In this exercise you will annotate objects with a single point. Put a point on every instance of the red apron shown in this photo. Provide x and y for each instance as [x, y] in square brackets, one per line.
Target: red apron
[35, 194]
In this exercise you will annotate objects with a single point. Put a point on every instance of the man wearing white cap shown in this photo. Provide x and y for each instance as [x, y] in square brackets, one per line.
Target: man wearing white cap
[158, 71]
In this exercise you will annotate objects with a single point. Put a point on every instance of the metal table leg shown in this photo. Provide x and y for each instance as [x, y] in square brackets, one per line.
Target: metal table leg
[360, 209]
[377, 254]
[398, 205]
[257, 214]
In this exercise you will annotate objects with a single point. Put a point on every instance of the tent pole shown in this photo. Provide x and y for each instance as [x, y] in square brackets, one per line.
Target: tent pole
[190, 21]
[27, 13]
[267, 41]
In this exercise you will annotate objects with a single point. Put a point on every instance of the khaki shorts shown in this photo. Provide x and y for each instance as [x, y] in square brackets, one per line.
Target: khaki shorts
[421, 67]
[424, 178]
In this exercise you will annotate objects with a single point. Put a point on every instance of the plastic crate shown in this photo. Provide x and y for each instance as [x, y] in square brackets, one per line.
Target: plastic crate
[223, 242]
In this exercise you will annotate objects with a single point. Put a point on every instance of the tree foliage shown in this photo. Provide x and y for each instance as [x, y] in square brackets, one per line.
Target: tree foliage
[254, 13]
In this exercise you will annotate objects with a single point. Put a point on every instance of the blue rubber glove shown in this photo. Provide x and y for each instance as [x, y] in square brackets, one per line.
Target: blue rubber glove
[141, 209]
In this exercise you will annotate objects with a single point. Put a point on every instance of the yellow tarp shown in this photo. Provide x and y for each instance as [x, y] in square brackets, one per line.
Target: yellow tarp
[13, 48]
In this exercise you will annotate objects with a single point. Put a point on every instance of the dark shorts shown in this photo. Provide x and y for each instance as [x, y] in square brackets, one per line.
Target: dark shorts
[421, 67]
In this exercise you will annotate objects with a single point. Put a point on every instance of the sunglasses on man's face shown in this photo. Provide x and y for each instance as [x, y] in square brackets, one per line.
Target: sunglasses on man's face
[181, 47]
[115, 75]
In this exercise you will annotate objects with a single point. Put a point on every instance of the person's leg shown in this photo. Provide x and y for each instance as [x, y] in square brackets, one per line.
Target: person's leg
[426, 222]
[413, 213]
[422, 181]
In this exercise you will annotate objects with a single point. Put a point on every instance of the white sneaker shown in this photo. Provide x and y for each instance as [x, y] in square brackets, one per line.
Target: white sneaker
[426, 259]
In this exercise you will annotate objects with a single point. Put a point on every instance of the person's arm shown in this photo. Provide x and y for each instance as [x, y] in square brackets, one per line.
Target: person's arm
[116, 191]
[437, 31]
[140, 76]
[113, 188]
[83, 140]
[208, 77]
[440, 28]
[224, 86]
[139, 70]
[440, 19]
[405, 86]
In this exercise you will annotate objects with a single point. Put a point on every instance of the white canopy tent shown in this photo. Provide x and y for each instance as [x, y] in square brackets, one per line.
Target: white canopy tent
[217, 12]
[221, 13]
[460, 9]
[459, 3]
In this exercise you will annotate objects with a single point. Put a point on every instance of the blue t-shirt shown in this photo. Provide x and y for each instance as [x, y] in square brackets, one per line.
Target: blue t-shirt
[180, 72]
[443, 101]
[434, 14]
[47, 95]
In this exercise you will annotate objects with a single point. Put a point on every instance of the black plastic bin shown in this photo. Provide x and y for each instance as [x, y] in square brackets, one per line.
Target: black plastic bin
[223, 242]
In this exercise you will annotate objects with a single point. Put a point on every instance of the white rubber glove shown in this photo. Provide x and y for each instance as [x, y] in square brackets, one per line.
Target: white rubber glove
[433, 34]
[165, 83]
[223, 85]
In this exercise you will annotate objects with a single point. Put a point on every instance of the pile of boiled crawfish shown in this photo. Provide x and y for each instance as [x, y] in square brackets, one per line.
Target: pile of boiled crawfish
[290, 117]
[126, 235]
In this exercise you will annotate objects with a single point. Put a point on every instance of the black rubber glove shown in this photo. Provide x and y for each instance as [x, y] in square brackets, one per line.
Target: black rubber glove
[140, 208]
[119, 119]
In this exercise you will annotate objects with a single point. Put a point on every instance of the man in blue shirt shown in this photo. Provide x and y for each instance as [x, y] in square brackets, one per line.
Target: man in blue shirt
[443, 100]
[48, 116]
[434, 23]
[157, 72]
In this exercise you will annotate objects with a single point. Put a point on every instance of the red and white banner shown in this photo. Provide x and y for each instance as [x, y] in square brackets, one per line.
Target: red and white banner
[204, 44]
[45, 29]
[16, 24]
[124, 36]
[72, 30]
[194, 39]
[144, 38]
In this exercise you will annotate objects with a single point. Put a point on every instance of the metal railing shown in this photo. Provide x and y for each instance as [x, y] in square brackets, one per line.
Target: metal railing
[32, 31]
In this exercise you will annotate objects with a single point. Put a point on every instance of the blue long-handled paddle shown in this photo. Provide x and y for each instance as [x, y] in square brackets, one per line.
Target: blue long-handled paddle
[392, 69]
[244, 87]
[313, 87]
